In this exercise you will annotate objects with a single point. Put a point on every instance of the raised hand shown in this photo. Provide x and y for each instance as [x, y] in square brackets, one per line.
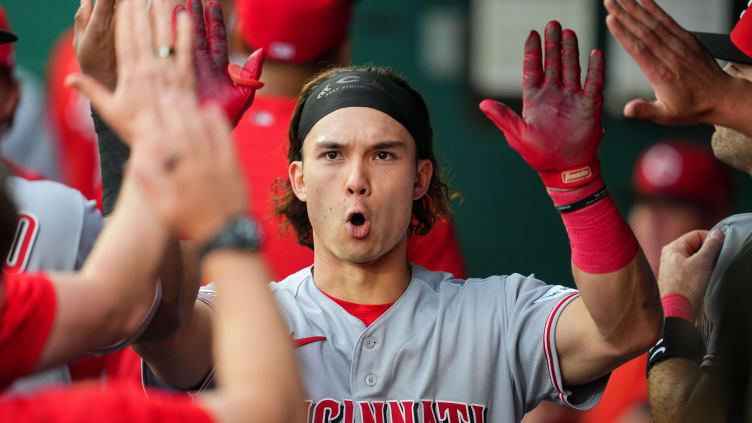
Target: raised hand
[185, 163]
[144, 76]
[560, 129]
[230, 85]
[686, 79]
[686, 266]
[94, 40]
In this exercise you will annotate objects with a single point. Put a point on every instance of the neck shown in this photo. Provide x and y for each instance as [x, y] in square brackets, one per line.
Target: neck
[382, 281]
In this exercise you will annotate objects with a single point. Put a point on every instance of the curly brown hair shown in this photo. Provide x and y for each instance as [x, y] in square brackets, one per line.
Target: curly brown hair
[426, 210]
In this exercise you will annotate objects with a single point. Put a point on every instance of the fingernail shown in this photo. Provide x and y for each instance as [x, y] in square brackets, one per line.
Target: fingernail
[716, 234]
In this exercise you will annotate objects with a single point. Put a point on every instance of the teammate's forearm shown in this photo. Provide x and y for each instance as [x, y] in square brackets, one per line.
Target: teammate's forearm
[126, 258]
[670, 386]
[113, 154]
[183, 359]
[172, 306]
[247, 313]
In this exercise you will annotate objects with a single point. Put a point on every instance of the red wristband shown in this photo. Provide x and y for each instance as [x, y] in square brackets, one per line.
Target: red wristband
[677, 305]
[600, 238]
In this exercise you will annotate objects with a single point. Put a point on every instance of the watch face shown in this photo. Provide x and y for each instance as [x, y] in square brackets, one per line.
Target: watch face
[247, 233]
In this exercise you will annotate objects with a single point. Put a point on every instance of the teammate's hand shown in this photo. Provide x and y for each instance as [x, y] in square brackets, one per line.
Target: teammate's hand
[230, 85]
[185, 164]
[686, 265]
[687, 81]
[94, 41]
[143, 76]
[560, 129]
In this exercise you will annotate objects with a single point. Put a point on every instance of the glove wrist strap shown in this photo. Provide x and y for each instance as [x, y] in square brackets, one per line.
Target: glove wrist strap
[572, 178]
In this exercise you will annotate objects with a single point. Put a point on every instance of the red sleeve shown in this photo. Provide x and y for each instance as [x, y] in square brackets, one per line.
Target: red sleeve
[28, 311]
[438, 250]
[93, 403]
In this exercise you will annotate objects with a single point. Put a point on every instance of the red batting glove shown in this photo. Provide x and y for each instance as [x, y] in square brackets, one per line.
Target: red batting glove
[560, 131]
[230, 85]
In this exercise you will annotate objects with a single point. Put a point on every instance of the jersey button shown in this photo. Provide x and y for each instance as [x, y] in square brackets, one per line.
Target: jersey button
[370, 380]
[369, 342]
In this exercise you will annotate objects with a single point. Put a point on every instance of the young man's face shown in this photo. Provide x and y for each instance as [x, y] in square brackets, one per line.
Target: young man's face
[358, 179]
[731, 146]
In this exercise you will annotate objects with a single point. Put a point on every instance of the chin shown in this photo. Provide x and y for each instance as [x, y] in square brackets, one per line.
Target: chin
[358, 258]
[733, 148]
[361, 252]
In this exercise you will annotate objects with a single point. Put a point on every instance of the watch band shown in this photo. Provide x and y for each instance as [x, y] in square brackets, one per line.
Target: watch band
[240, 233]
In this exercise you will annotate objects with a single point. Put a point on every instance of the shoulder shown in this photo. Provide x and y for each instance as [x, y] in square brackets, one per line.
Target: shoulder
[290, 286]
[737, 230]
[32, 194]
[508, 287]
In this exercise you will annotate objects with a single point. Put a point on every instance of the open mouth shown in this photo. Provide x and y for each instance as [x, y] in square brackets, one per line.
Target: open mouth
[357, 219]
[358, 226]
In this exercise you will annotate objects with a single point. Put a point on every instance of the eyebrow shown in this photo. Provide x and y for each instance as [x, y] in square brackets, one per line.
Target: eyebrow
[328, 145]
[383, 145]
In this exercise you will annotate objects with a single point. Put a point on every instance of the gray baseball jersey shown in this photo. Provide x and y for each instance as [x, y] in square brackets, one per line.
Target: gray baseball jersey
[737, 230]
[56, 231]
[449, 350]
[57, 226]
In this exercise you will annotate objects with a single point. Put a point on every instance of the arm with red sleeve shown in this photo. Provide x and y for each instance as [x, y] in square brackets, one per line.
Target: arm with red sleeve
[57, 317]
[619, 313]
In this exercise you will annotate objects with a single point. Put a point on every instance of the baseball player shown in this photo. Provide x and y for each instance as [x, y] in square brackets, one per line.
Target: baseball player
[302, 38]
[691, 278]
[57, 228]
[256, 387]
[678, 186]
[379, 339]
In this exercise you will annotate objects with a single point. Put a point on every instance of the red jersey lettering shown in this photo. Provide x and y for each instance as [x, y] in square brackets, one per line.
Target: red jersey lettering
[479, 413]
[326, 411]
[402, 412]
[372, 412]
[425, 411]
[453, 412]
[429, 416]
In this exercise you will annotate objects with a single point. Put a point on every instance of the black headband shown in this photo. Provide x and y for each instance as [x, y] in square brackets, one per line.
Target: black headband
[361, 89]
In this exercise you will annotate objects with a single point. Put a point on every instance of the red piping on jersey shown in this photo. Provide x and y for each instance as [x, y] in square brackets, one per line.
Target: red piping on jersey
[547, 345]
[303, 341]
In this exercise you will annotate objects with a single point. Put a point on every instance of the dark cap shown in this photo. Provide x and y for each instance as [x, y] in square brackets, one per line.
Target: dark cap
[7, 37]
[735, 47]
[7, 53]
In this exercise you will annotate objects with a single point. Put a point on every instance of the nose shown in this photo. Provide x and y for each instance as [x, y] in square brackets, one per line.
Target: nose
[358, 180]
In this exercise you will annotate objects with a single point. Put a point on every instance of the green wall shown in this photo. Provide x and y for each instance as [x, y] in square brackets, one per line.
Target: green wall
[506, 222]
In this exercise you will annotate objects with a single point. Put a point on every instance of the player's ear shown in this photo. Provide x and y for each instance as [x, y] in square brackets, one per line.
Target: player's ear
[295, 173]
[422, 178]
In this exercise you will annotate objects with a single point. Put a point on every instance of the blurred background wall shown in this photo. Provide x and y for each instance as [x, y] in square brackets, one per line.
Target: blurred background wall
[506, 222]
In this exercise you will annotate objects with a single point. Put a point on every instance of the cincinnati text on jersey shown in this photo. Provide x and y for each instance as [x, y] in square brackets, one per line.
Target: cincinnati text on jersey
[424, 411]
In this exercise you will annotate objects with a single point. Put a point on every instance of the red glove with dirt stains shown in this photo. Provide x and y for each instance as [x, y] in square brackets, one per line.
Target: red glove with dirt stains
[560, 129]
